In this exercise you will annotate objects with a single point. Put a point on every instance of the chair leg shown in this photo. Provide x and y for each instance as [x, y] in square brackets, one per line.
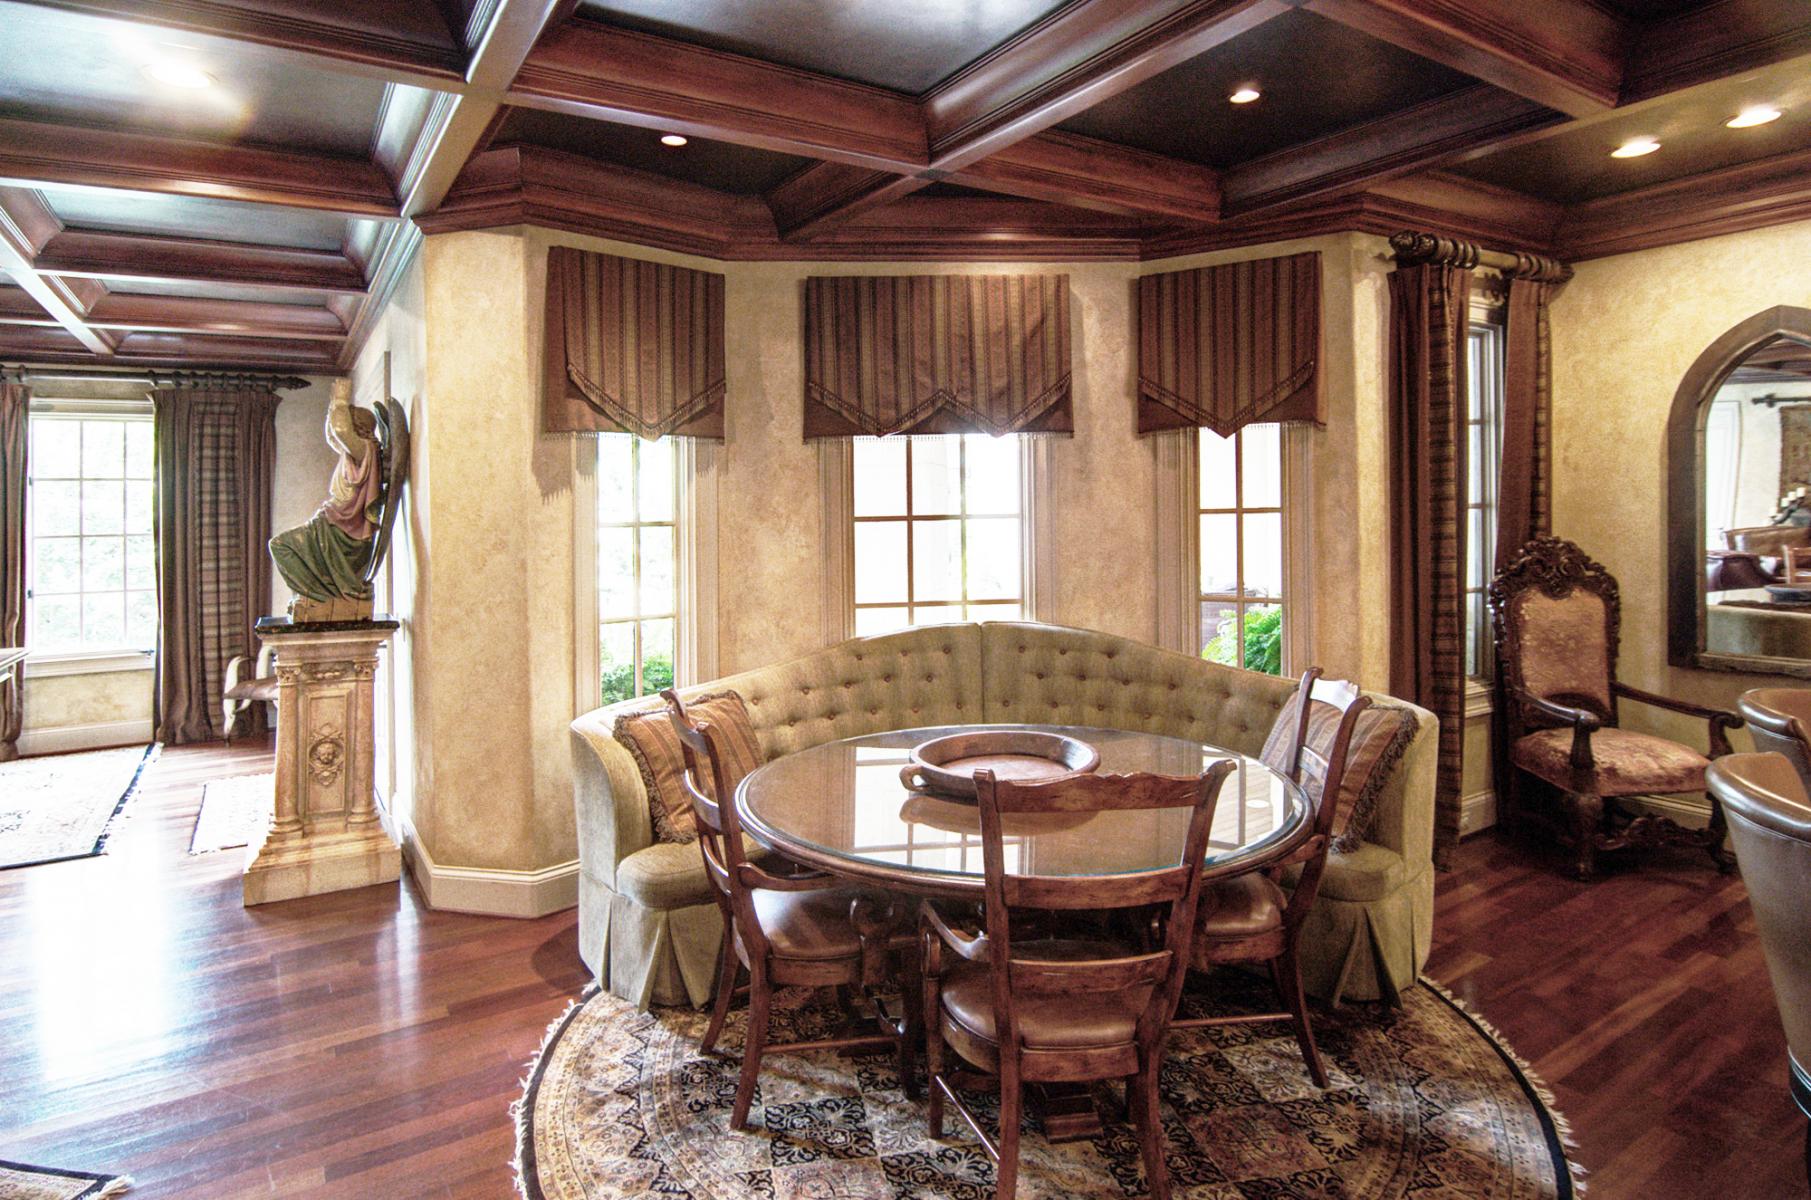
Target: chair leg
[911, 999]
[727, 970]
[933, 1057]
[1587, 820]
[1286, 973]
[1012, 1094]
[1141, 1091]
[759, 995]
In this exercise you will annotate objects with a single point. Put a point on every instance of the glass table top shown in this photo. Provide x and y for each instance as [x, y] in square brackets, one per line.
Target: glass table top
[841, 807]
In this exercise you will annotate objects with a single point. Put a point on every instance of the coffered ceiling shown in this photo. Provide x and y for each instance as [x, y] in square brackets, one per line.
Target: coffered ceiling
[241, 182]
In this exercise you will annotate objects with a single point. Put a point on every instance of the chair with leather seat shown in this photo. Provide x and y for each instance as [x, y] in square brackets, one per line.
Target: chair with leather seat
[1248, 918]
[806, 929]
[1064, 1009]
[1770, 828]
[1558, 617]
[1779, 719]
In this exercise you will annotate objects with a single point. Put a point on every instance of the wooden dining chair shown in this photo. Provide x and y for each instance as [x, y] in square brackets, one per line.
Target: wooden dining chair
[808, 929]
[1248, 918]
[1056, 1009]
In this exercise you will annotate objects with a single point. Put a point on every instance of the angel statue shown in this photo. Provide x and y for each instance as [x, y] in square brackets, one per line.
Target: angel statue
[330, 562]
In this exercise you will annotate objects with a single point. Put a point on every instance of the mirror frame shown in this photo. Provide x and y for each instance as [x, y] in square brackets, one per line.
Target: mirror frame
[1683, 493]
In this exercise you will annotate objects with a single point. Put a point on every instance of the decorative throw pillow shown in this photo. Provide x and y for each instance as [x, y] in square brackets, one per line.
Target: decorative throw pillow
[652, 741]
[1379, 740]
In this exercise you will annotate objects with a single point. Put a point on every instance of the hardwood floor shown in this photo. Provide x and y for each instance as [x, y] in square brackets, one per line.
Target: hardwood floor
[359, 1045]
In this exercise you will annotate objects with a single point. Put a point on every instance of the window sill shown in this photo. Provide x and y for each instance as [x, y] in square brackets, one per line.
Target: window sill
[1480, 698]
[106, 662]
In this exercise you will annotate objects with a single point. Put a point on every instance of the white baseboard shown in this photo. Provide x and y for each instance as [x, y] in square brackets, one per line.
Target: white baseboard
[490, 891]
[1477, 812]
[64, 738]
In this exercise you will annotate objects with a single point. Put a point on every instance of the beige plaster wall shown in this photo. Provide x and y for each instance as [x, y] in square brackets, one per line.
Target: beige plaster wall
[71, 701]
[1624, 332]
[304, 463]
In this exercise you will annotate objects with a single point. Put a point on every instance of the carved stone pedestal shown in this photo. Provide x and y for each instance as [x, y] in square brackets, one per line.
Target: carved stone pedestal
[325, 835]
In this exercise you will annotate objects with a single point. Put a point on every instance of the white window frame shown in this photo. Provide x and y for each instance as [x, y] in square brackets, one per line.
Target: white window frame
[1489, 385]
[1037, 525]
[695, 624]
[98, 661]
[1178, 476]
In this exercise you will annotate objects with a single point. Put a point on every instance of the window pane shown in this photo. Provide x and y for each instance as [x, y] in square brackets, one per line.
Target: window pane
[56, 448]
[1477, 550]
[937, 614]
[657, 479]
[103, 448]
[138, 507]
[880, 562]
[56, 566]
[657, 569]
[141, 562]
[615, 476]
[993, 474]
[1263, 466]
[994, 550]
[1218, 482]
[937, 560]
[103, 506]
[103, 564]
[616, 572]
[104, 619]
[141, 620]
[1219, 632]
[56, 622]
[880, 474]
[1264, 554]
[1262, 634]
[1219, 554]
[936, 475]
[994, 612]
[138, 449]
[870, 621]
[616, 650]
[56, 508]
[656, 655]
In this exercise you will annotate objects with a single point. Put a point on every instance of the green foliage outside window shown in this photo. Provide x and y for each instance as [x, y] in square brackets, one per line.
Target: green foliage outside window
[1263, 641]
[619, 678]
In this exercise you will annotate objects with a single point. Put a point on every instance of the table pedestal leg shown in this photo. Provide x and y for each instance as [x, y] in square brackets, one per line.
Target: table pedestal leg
[1068, 1110]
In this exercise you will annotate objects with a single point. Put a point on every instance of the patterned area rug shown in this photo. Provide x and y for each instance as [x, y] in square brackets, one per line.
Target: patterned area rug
[20, 1182]
[1425, 1104]
[62, 806]
[233, 812]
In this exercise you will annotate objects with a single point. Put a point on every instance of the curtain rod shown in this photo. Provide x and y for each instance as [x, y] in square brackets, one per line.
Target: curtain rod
[155, 379]
[1413, 249]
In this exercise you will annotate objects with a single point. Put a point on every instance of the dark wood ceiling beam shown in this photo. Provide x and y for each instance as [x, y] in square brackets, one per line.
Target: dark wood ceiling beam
[122, 312]
[1411, 140]
[594, 70]
[34, 153]
[1713, 41]
[827, 193]
[1752, 195]
[26, 228]
[1566, 54]
[1067, 169]
[360, 51]
[129, 256]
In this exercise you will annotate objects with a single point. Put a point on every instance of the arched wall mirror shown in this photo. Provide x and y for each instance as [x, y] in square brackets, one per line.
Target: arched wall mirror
[1739, 501]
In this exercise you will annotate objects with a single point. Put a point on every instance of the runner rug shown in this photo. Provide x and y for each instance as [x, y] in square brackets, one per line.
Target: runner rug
[61, 806]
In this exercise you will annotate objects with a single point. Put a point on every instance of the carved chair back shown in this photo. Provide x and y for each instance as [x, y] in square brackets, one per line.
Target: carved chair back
[1176, 888]
[1320, 775]
[1558, 617]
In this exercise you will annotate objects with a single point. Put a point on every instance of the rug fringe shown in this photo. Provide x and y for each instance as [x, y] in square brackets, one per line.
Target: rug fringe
[518, 1110]
[119, 1185]
[1542, 1092]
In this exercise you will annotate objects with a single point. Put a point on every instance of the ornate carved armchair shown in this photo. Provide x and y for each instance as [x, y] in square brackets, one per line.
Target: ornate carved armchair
[1558, 617]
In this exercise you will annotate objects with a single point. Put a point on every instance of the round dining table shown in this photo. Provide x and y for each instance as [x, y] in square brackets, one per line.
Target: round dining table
[841, 807]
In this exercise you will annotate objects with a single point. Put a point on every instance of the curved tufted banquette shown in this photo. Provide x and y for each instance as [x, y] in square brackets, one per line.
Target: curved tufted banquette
[649, 930]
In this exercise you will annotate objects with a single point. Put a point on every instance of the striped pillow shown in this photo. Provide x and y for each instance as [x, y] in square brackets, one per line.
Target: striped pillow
[650, 738]
[1378, 743]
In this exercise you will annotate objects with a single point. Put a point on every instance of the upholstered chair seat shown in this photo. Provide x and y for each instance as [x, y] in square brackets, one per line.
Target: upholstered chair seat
[1627, 763]
[1046, 1022]
[1244, 906]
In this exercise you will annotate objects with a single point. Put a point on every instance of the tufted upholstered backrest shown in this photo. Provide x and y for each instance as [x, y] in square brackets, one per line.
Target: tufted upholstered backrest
[1005, 672]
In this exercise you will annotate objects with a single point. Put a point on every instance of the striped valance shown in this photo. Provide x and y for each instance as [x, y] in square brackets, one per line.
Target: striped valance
[936, 354]
[632, 346]
[1227, 346]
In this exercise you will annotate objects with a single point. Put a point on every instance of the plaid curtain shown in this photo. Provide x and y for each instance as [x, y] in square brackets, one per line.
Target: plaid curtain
[1429, 314]
[216, 452]
[13, 409]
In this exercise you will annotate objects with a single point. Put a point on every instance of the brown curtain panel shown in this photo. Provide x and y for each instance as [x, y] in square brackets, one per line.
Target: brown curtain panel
[1429, 314]
[937, 354]
[633, 347]
[1524, 500]
[216, 454]
[1227, 346]
[14, 406]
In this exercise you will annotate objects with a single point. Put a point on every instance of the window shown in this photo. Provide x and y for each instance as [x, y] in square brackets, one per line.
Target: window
[1242, 553]
[939, 530]
[93, 581]
[637, 563]
[1484, 455]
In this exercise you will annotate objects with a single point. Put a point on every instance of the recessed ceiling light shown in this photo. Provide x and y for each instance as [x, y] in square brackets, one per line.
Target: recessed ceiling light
[1754, 114]
[1245, 95]
[673, 139]
[1635, 148]
[173, 73]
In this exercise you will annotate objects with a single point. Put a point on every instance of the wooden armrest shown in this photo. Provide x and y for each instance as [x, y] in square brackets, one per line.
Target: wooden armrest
[975, 949]
[1721, 716]
[1583, 721]
[756, 877]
